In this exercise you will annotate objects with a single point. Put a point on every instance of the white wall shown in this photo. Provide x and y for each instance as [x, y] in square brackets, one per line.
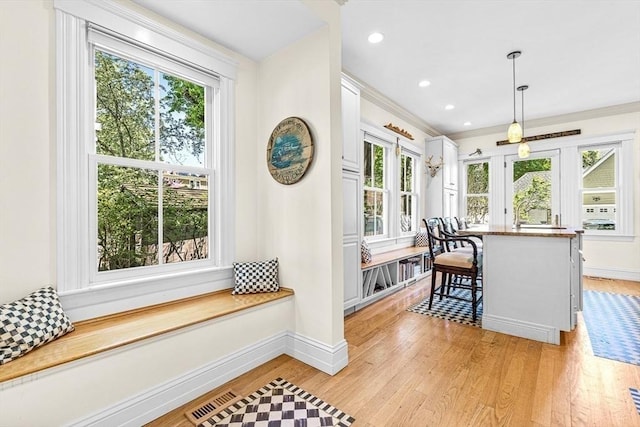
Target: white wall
[615, 259]
[301, 223]
[378, 116]
[27, 148]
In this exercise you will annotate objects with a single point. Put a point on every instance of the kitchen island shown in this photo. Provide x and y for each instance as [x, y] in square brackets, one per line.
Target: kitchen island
[532, 280]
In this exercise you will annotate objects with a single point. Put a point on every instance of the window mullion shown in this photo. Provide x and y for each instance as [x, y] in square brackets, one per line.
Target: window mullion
[156, 77]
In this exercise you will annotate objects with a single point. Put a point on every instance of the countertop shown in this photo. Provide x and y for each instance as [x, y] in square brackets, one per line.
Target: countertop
[533, 231]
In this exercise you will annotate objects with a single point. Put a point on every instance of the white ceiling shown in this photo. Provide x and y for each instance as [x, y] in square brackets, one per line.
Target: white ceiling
[577, 55]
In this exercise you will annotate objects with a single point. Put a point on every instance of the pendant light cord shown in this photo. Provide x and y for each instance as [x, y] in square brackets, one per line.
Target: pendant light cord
[513, 60]
[523, 112]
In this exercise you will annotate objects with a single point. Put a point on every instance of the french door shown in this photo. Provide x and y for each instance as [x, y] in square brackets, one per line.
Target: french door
[533, 189]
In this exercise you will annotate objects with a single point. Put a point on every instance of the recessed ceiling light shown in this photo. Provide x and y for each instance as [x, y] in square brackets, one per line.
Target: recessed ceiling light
[467, 123]
[424, 83]
[375, 37]
[449, 107]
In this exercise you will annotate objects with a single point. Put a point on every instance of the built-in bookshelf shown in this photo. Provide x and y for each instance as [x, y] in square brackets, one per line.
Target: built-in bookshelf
[391, 271]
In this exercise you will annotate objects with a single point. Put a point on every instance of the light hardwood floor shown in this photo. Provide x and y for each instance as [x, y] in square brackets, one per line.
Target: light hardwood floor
[407, 369]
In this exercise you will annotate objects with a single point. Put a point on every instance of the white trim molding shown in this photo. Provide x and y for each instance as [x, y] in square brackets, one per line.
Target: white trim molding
[617, 274]
[329, 359]
[149, 405]
[521, 329]
[80, 291]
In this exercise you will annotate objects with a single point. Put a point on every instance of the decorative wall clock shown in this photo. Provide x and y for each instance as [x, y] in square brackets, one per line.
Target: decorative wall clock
[290, 150]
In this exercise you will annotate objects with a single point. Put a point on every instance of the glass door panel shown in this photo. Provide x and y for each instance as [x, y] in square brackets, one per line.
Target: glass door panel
[533, 189]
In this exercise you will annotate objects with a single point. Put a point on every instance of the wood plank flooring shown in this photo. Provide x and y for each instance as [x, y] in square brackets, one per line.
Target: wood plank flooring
[407, 369]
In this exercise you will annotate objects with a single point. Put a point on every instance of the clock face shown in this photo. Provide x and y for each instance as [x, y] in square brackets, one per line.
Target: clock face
[290, 150]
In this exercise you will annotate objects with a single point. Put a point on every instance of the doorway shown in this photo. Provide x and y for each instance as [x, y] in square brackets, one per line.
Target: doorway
[533, 189]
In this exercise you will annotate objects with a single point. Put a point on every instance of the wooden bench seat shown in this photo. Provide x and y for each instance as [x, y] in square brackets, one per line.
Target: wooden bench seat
[101, 334]
[386, 257]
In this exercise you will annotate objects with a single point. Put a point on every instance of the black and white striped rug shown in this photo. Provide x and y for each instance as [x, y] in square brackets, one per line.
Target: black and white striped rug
[450, 308]
[280, 404]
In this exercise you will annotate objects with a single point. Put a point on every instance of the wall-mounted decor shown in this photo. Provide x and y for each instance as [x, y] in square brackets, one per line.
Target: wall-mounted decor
[290, 150]
[396, 129]
[544, 136]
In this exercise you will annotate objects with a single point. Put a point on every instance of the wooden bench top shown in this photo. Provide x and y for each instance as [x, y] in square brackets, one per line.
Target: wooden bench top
[106, 333]
[386, 257]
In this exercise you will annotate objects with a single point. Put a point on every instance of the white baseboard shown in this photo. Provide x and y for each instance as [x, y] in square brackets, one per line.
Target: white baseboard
[612, 274]
[528, 330]
[317, 354]
[159, 400]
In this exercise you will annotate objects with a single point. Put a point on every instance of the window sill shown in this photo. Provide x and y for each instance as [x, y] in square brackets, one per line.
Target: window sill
[105, 333]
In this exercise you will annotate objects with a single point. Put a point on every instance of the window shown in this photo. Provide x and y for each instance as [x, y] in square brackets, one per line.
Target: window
[151, 141]
[599, 187]
[144, 162]
[476, 197]
[375, 189]
[533, 187]
[408, 194]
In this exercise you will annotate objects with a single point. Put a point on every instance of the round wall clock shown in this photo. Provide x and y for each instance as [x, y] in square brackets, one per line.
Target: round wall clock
[290, 150]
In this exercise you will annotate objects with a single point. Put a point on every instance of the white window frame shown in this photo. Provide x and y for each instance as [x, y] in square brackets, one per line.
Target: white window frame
[386, 208]
[623, 187]
[415, 194]
[82, 297]
[393, 146]
[465, 186]
[570, 181]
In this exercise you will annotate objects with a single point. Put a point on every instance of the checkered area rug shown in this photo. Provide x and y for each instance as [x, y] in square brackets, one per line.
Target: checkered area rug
[613, 324]
[280, 404]
[635, 395]
[450, 309]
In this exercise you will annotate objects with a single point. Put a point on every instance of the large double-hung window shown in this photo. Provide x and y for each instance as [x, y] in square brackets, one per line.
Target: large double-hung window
[599, 187]
[144, 159]
[391, 187]
[408, 208]
[375, 202]
[151, 160]
[476, 194]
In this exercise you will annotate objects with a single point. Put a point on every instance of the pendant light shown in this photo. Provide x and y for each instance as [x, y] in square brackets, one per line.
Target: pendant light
[514, 134]
[523, 146]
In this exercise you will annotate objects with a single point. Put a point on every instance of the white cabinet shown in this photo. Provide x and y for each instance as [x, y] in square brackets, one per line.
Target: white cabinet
[351, 191]
[449, 203]
[352, 276]
[351, 144]
[442, 188]
[450, 167]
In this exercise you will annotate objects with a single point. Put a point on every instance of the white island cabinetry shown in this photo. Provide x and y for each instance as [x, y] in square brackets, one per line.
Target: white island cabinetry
[532, 281]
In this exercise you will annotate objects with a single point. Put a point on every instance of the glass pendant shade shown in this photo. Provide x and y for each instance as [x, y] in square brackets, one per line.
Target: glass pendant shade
[523, 150]
[514, 134]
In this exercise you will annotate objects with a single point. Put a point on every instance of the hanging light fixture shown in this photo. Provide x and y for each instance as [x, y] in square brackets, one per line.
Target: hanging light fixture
[514, 134]
[523, 146]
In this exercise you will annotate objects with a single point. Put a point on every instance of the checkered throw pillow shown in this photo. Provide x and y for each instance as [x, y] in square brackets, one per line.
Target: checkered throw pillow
[365, 252]
[422, 239]
[31, 322]
[256, 277]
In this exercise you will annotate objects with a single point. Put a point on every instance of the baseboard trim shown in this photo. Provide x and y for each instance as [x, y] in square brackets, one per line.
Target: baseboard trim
[318, 354]
[528, 330]
[149, 405]
[617, 274]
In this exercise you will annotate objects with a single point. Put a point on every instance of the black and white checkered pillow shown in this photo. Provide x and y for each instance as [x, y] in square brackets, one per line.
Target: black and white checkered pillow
[31, 322]
[256, 277]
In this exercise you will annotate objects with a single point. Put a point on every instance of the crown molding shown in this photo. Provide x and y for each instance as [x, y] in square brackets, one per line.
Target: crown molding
[370, 94]
[341, 2]
[632, 107]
